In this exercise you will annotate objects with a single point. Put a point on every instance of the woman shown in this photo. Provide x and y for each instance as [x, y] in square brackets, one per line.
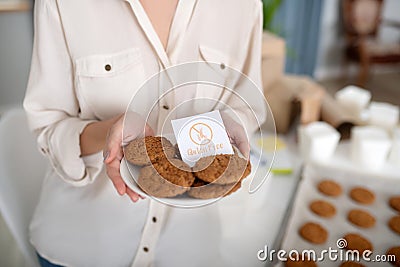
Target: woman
[88, 58]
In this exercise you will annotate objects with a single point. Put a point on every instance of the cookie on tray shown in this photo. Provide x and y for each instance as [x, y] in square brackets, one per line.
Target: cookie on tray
[357, 242]
[351, 264]
[166, 178]
[396, 252]
[362, 195]
[314, 233]
[222, 169]
[330, 188]
[299, 260]
[394, 224]
[323, 208]
[144, 151]
[394, 202]
[361, 218]
[203, 190]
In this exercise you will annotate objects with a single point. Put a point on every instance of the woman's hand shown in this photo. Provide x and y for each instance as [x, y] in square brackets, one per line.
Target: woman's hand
[237, 135]
[113, 153]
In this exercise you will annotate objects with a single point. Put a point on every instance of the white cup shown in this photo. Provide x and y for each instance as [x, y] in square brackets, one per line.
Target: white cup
[354, 99]
[370, 146]
[383, 115]
[394, 156]
[318, 141]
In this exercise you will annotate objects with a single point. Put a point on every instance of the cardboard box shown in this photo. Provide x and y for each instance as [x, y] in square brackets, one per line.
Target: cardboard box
[273, 59]
[292, 96]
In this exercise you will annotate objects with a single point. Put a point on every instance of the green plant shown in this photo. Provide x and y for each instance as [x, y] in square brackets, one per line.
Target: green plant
[270, 7]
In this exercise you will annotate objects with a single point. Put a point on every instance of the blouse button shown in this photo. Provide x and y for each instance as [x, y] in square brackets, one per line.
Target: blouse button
[154, 219]
[107, 67]
[44, 151]
[166, 107]
[222, 66]
[146, 249]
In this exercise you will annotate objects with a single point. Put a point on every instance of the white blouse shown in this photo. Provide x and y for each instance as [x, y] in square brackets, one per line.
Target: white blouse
[88, 59]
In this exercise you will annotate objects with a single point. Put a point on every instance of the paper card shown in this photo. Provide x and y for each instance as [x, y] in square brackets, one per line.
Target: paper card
[200, 136]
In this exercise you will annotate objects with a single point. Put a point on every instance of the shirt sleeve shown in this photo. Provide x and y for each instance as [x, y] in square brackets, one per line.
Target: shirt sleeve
[248, 105]
[50, 102]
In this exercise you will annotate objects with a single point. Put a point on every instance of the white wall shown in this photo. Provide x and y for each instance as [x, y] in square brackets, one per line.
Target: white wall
[16, 37]
[331, 41]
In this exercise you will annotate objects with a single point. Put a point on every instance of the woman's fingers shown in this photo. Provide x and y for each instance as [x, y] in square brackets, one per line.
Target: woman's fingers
[244, 147]
[113, 153]
[132, 195]
[113, 148]
[148, 131]
[115, 176]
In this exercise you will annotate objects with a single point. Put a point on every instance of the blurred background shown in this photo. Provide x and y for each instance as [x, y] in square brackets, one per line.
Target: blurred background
[311, 49]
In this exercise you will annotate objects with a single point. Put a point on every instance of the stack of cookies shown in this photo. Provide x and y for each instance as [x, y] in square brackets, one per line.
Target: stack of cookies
[164, 174]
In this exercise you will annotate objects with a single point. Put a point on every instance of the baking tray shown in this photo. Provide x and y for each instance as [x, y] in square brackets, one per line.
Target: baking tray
[381, 236]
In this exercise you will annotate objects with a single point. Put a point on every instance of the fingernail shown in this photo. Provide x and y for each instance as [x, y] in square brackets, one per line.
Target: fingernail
[106, 156]
[120, 192]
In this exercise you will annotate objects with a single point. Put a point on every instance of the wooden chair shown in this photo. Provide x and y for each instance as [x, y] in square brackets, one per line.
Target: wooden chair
[362, 20]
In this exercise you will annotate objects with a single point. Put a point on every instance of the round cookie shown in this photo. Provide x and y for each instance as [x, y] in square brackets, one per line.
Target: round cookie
[361, 218]
[357, 242]
[330, 188]
[323, 208]
[222, 169]
[351, 264]
[396, 252]
[362, 195]
[203, 190]
[299, 261]
[394, 224]
[166, 178]
[394, 202]
[314, 233]
[144, 151]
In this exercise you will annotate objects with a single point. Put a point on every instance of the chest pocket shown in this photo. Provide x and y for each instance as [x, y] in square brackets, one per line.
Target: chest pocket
[222, 71]
[106, 83]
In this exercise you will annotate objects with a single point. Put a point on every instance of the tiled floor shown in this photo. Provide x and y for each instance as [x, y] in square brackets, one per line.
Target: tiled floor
[384, 87]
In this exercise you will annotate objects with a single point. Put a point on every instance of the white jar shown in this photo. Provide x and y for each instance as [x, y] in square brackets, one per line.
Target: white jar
[354, 100]
[383, 115]
[370, 146]
[318, 141]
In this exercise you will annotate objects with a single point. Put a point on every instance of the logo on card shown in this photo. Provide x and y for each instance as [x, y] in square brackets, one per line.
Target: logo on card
[201, 134]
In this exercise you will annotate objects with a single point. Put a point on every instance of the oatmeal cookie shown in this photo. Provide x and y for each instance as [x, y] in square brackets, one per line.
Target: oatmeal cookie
[357, 242]
[394, 202]
[166, 178]
[396, 252]
[222, 169]
[362, 195]
[361, 218]
[323, 208]
[203, 190]
[314, 233]
[144, 151]
[394, 224]
[330, 188]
